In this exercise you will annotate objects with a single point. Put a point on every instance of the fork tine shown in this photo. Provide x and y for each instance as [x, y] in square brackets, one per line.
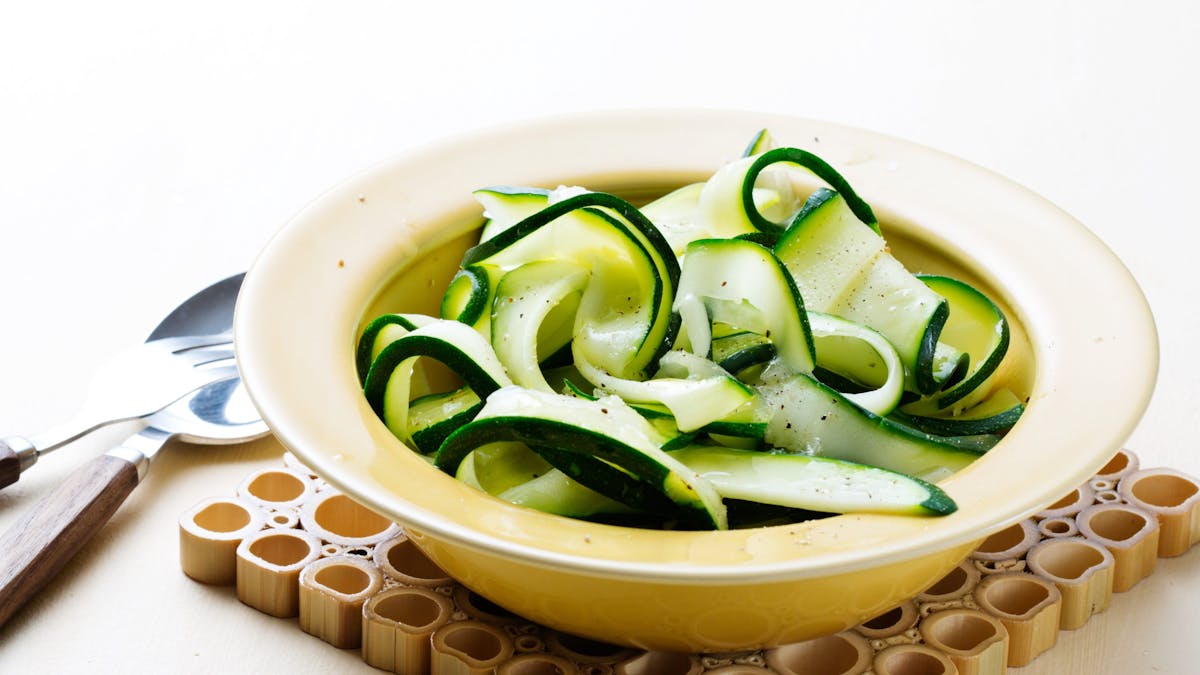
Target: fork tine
[187, 342]
[201, 356]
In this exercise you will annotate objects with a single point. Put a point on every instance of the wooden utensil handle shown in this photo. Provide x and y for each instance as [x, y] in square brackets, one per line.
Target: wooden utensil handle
[49, 535]
[10, 465]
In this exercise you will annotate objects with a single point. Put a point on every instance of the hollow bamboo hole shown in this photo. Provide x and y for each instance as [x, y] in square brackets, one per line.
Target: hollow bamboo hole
[414, 609]
[222, 517]
[1016, 595]
[407, 559]
[1116, 465]
[910, 661]
[1164, 490]
[1056, 527]
[528, 643]
[344, 517]
[1069, 560]
[276, 486]
[474, 642]
[828, 655]
[1003, 540]
[1117, 524]
[961, 631]
[950, 583]
[281, 549]
[1066, 500]
[344, 579]
[886, 620]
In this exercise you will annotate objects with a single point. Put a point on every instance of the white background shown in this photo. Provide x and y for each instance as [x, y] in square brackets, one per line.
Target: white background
[148, 149]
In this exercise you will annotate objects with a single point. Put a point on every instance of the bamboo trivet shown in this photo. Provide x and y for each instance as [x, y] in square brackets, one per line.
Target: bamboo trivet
[294, 546]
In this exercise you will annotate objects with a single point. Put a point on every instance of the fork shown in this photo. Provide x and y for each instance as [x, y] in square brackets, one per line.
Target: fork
[137, 382]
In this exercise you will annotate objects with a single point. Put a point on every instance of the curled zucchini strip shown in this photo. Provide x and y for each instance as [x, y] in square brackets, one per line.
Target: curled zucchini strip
[506, 205]
[856, 351]
[809, 417]
[625, 314]
[813, 483]
[572, 428]
[468, 299]
[976, 327]
[844, 268]
[994, 415]
[525, 297]
[721, 276]
[695, 390]
[380, 333]
[466, 352]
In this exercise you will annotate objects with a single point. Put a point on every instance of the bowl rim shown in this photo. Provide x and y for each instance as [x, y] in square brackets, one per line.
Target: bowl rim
[340, 250]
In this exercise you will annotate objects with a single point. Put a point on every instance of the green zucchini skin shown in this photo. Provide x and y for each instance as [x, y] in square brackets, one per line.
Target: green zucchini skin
[813, 483]
[431, 418]
[469, 297]
[632, 229]
[969, 306]
[808, 416]
[367, 342]
[456, 345]
[740, 271]
[571, 449]
[820, 168]
[999, 423]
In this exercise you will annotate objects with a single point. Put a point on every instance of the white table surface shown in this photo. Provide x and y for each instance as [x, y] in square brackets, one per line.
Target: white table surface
[148, 149]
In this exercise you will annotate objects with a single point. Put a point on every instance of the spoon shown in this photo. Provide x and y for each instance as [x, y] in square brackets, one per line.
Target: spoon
[37, 547]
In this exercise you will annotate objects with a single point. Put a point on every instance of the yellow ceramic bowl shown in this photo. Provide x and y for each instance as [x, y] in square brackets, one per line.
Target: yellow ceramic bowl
[1084, 350]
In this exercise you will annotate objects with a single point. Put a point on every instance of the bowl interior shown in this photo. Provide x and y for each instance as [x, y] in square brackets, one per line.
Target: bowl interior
[390, 239]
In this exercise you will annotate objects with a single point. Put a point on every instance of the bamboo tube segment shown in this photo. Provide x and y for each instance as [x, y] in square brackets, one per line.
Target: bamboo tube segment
[268, 569]
[739, 669]
[1073, 502]
[469, 648]
[845, 653]
[277, 488]
[1058, 527]
[283, 519]
[332, 593]
[1130, 535]
[1172, 496]
[400, 559]
[1008, 544]
[1028, 607]
[975, 642]
[913, 660]
[1122, 464]
[660, 663]
[529, 642]
[338, 519]
[537, 664]
[397, 625]
[957, 583]
[1083, 572]
[209, 535]
[892, 622]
